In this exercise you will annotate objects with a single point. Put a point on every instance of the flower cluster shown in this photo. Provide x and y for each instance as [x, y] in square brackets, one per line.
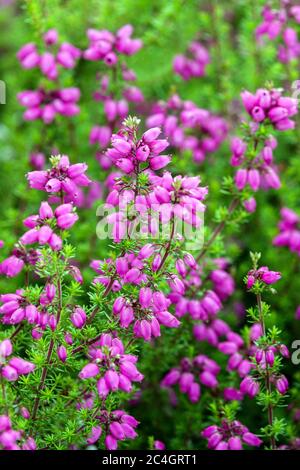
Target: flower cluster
[147, 199]
[45, 105]
[148, 313]
[42, 226]
[289, 231]
[188, 127]
[127, 155]
[264, 359]
[115, 104]
[182, 194]
[203, 310]
[16, 307]
[62, 179]
[106, 46]
[191, 371]
[230, 436]
[194, 63]
[10, 439]
[262, 274]
[270, 105]
[65, 55]
[117, 426]
[21, 256]
[276, 24]
[114, 369]
[249, 386]
[254, 153]
[12, 368]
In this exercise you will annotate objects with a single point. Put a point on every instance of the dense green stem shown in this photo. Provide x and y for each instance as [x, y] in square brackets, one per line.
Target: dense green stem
[48, 357]
[267, 378]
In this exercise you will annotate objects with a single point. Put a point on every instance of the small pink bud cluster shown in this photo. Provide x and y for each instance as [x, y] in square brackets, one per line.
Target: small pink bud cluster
[12, 368]
[127, 155]
[46, 105]
[194, 63]
[229, 436]
[289, 231]
[264, 361]
[257, 173]
[272, 106]
[251, 387]
[117, 425]
[42, 226]
[21, 256]
[180, 197]
[190, 372]
[147, 312]
[188, 127]
[66, 56]
[114, 369]
[16, 308]
[127, 269]
[106, 46]
[276, 23]
[10, 439]
[168, 199]
[62, 178]
[257, 170]
[262, 274]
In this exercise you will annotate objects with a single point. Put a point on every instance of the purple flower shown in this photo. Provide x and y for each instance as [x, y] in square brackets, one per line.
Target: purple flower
[114, 369]
[229, 436]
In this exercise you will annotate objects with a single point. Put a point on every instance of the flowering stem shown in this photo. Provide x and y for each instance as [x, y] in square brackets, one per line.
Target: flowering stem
[169, 244]
[87, 343]
[42, 381]
[261, 316]
[106, 292]
[267, 378]
[48, 358]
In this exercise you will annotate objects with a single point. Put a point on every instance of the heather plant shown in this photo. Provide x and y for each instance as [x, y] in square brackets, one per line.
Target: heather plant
[135, 182]
[266, 382]
[280, 23]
